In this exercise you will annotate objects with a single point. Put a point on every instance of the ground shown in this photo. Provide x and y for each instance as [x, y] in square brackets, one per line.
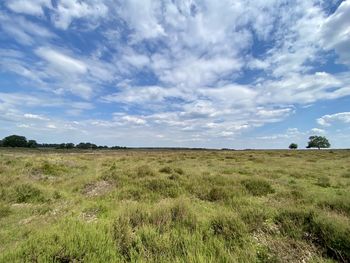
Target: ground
[174, 206]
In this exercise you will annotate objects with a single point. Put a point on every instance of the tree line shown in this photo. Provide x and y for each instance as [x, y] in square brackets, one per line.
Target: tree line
[21, 141]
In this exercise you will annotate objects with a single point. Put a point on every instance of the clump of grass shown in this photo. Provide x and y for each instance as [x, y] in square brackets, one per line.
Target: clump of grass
[294, 223]
[123, 237]
[179, 171]
[49, 168]
[323, 182]
[258, 187]
[69, 241]
[339, 204]
[26, 193]
[217, 194]
[330, 234]
[229, 226]
[4, 210]
[166, 169]
[144, 170]
[167, 188]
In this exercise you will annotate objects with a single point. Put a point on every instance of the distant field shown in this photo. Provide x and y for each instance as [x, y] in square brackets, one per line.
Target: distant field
[174, 206]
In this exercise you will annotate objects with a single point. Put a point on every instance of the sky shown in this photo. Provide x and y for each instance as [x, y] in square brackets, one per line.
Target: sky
[176, 73]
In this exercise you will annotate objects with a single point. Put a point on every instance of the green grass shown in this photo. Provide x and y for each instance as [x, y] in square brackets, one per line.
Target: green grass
[174, 206]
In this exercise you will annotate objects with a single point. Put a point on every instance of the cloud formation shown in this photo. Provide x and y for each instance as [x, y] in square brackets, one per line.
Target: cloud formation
[191, 72]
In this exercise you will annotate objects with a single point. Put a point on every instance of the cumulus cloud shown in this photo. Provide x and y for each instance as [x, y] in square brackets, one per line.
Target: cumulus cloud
[329, 119]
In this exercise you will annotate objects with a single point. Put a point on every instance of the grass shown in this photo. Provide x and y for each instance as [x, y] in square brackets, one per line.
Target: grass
[174, 206]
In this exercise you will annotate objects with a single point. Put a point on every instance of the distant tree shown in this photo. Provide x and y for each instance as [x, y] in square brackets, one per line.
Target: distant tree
[318, 142]
[1, 143]
[70, 145]
[293, 146]
[15, 141]
[86, 145]
[32, 144]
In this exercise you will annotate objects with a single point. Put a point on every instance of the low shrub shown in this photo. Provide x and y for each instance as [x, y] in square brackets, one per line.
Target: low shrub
[258, 187]
[26, 193]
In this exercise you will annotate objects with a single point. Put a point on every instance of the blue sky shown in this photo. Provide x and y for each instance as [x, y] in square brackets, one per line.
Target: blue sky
[235, 74]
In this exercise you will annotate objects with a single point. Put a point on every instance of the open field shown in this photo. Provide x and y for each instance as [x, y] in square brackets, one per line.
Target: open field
[174, 206]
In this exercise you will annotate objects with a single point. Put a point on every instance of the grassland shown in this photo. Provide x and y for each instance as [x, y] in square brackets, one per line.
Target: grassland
[174, 206]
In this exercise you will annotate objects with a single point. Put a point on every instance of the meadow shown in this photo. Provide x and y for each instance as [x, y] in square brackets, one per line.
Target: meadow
[174, 206]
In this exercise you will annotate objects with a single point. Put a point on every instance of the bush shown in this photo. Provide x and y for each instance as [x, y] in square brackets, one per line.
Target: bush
[26, 193]
[258, 187]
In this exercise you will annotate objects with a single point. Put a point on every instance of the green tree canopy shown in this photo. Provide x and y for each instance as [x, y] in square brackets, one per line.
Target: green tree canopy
[14, 141]
[293, 146]
[318, 142]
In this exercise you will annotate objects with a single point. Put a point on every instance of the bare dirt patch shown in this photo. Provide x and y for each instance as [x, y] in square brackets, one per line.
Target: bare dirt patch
[97, 188]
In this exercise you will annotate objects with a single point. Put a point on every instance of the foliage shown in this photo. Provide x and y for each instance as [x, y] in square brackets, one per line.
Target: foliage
[14, 141]
[318, 142]
[293, 146]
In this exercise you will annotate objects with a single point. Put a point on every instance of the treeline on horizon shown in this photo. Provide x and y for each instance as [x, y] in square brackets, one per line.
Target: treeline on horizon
[21, 141]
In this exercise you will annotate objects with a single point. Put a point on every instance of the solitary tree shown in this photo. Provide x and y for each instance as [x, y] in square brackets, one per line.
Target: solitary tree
[318, 142]
[293, 146]
[14, 141]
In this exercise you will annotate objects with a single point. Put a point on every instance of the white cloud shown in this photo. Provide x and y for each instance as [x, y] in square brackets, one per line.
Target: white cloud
[336, 32]
[68, 10]
[134, 120]
[318, 131]
[61, 62]
[329, 119]
[142, 17]
[29, 7]
[34, 117]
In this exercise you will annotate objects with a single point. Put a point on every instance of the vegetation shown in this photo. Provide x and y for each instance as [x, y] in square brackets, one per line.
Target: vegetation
[293, 146]
[318, 142]
[174, 206]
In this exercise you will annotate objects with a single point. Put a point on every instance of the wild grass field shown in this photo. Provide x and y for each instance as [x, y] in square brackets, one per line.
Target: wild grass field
[174, 206]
